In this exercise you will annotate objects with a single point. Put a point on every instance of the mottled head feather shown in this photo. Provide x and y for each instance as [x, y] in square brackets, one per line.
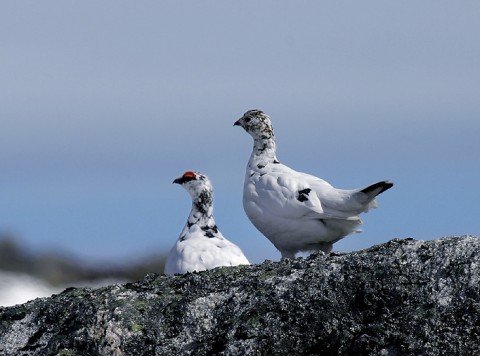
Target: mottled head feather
[257, 124]
[199, 188]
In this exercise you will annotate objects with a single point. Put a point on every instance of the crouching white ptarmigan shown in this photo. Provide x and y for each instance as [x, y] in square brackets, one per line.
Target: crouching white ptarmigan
[297, 211]
[201, 245]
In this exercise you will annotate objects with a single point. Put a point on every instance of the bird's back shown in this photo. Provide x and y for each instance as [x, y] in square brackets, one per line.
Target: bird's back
[199, 253]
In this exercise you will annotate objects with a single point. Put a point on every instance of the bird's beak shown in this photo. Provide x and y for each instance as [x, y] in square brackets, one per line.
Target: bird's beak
[178, 181]
[238, 122]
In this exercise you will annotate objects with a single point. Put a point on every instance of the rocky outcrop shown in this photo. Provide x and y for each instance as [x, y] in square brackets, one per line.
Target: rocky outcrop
[405, 297]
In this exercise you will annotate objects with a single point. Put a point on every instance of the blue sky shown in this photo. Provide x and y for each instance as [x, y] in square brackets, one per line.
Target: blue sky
[105, 103]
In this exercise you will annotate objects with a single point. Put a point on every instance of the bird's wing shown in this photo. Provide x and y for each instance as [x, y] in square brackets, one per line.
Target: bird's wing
[286, 193]
[291, 194]
[231, 253]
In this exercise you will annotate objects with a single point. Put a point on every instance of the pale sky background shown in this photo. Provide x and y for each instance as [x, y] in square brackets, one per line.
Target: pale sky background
[104, 103]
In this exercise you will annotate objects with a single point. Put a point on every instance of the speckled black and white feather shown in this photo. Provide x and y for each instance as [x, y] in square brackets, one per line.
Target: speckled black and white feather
[201, 245]
[297, 211]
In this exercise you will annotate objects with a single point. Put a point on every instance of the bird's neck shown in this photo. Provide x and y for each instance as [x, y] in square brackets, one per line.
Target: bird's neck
[202, 210]
[264, 152]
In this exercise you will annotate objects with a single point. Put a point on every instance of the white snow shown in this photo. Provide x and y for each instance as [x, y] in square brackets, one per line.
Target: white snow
[18, 288]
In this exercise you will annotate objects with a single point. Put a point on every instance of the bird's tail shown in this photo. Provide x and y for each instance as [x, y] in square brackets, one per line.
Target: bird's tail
[377, 188]
[366, 196]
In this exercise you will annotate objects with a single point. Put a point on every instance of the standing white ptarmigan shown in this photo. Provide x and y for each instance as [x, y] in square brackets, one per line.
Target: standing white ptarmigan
[297, 211]
[201, 245]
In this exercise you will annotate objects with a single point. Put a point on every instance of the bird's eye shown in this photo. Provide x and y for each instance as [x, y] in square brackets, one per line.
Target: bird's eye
[247, 119]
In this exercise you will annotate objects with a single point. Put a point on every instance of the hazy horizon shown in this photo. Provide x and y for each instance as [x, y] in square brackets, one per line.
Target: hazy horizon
[105, 103]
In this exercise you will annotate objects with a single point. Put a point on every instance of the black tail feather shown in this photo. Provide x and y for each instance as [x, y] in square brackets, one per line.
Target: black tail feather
[385, 185]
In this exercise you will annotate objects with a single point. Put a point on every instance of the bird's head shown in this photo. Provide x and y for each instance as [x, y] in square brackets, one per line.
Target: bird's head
[257, 124]
[198, 185]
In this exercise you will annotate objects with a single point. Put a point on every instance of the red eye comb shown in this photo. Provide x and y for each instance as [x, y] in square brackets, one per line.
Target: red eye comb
[189, 174]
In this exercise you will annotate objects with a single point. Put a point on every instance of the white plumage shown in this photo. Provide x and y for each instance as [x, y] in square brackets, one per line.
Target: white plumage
[297, 211]
[201, 246]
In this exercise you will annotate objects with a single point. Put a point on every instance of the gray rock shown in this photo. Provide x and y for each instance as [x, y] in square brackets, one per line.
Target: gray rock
[405, 297]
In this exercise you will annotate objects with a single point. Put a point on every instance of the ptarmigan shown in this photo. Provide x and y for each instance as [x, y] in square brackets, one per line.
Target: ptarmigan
[201, 245]
[297, 211]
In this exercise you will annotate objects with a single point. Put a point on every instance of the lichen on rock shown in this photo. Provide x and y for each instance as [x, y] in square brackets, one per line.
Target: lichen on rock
[404, 297]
